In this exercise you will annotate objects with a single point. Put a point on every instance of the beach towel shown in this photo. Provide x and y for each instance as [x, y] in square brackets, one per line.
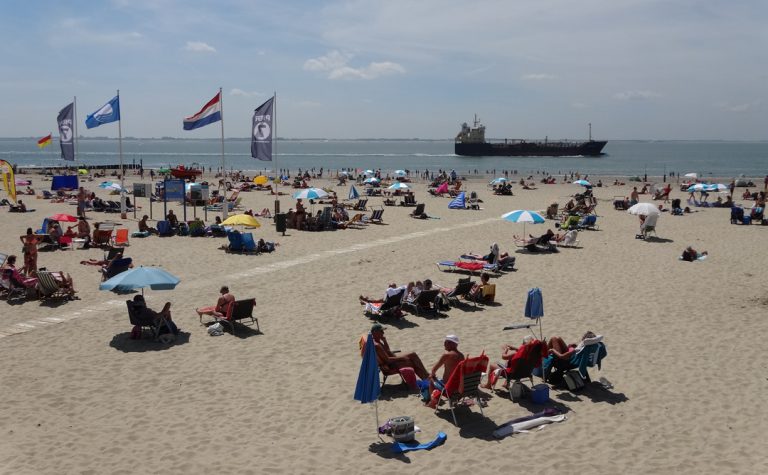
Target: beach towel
[526, 425]
[401, 447]
[459, 202]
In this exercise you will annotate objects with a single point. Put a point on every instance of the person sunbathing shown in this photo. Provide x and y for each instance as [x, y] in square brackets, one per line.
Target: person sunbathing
[690, 254]
[560, 350]
[220, 308]
[507, 352]
[392, 290]
[9, 269]
[385, 356]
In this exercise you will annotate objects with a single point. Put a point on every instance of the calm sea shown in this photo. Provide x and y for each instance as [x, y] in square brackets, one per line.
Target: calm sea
[622, 158]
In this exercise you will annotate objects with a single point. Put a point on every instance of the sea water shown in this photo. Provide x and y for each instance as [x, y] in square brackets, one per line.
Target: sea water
[621, 158]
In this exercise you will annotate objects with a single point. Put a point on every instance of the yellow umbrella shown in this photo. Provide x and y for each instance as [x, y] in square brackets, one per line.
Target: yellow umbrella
[241, 220]
[82, 171]
[261, 180]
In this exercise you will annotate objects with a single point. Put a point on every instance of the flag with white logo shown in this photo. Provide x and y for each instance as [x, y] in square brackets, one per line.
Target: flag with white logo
[261, 134]
[67, 131]
[109, 112]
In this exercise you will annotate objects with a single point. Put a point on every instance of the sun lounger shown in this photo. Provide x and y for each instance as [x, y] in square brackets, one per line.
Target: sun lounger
[238, 311]
[464, 382]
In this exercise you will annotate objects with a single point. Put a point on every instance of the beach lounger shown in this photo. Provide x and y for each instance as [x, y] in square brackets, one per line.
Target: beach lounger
[389, 308]
[569, 240]
[590, 355]
[424, 303]
[142, 322]
[527, 358]
[102, 238]
[356, 221]
[462, 289]
[588, 221]
[418, 212]
[9, 289]
[360, 205]
[117, 266]
[408, 200]
[376, 216]
[463, 383]
[238, 311]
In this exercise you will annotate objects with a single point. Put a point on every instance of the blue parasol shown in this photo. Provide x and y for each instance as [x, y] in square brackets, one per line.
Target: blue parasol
[353, 194]
[137, 278]
[368, 386]
[534, 307]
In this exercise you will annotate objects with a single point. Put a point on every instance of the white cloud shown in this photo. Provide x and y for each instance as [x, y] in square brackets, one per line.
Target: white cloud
[335, 64]
[747, 106]
[537, 77]
[199, 47]
[239, 92]
[635, 95]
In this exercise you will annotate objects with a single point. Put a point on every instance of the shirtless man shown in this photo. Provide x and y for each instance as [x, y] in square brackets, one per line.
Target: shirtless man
[385, 355]
[448, 361]
[221, 304]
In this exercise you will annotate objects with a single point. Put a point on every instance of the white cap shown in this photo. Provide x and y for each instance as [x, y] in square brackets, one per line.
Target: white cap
[452, 338]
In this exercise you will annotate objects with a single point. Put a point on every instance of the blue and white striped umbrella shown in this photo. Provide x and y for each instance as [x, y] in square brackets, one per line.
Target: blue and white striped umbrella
[716, 187]
[400, 172]
[523, 216]
[582, 183]
[371, 181]
[497, 181]
[353, 194]
[398, 186]
[310, 194]
[368, 172]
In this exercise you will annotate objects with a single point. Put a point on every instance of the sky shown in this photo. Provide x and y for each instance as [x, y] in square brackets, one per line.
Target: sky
[634, 69]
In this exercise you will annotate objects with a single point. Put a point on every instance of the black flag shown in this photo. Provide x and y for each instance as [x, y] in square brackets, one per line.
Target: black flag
[261, 136]
[67, 132]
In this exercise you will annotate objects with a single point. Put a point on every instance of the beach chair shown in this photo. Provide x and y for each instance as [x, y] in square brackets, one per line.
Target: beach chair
[389, 308]
[141, 323]
[588, 222]
[462, 289]
[356, 221]
[102, 238]
[49, 288]
[164, 229]
[464, 382]
[527, 358]
[116, 266]
[376, 216]
[424, 303]
[43, 227]
[121, 237]
[235, 242]
[570, 239]
[113, 253]
[591, 354]
[572, 221]
[384, 368]
[408, 200]
[418, 212]
[238, 311]
[361, 205]
[9, 288]
[249, 245]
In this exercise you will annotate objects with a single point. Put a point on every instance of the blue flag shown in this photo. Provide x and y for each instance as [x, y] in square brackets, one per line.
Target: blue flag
[109, 112]
[261, 136]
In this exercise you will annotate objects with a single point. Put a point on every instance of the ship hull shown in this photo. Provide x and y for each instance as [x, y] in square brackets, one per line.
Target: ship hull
[530, 149]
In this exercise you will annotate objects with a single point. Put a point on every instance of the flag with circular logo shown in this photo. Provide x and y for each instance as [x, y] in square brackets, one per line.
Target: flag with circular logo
[261, 135]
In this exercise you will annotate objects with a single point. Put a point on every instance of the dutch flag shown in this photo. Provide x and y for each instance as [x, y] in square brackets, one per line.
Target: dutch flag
[210, 113]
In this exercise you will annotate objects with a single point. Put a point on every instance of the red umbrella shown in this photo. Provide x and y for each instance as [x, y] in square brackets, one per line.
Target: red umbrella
[63, 217]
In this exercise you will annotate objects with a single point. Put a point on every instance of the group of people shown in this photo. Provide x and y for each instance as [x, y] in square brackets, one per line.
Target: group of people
[451, 357]
[27, 278]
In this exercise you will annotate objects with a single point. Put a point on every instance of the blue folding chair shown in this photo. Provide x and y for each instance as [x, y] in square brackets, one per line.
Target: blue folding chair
[164, 228]
[249, 245]
[235, 241]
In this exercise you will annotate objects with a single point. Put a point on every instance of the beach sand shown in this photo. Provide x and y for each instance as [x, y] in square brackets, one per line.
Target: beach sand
[684, 347]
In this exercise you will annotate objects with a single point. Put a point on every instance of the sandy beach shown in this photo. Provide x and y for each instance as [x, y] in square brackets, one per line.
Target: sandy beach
[684, 347]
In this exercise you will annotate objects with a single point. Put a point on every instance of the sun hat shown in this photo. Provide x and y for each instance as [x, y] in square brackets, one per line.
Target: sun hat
[452, 338]
[376, 327]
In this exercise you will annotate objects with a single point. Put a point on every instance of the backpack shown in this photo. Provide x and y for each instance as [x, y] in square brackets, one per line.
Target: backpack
[573, 380]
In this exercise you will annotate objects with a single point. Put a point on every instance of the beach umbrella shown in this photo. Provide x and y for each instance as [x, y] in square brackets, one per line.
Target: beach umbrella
[400, 173]
[371, 181]
[691, 175]
[582, 183]
[82, 171]
[63, 217]
[353, 194]
[534, 307]
[368, 172]
[310, 194]
[719, 187]
[164, 170]
[155, 278]
[498, 181]
[368, 386]
[241, 220]
[398, 186]
[644, 208]
[523, 216]
[261, 180]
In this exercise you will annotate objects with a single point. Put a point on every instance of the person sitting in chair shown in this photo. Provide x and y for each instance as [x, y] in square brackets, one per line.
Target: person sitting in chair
[448, 361]
[507, 352]
[221, 304]
[147, 316]
[386, 357]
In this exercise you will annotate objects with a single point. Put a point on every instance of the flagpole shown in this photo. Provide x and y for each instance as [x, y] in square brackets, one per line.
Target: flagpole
[123, 215]
[225, 204]
[74, 113]
[274, 150]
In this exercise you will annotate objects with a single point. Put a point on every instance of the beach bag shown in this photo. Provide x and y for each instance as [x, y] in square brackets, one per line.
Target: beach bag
[518, 391]
[409, 378]
[573, 380]
[216, 329]
[403, 428]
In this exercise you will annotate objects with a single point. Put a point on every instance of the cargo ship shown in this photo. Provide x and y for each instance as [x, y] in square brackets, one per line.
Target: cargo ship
[471, 142]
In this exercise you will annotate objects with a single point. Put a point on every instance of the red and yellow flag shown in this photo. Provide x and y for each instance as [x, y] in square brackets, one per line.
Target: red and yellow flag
[45, 141]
